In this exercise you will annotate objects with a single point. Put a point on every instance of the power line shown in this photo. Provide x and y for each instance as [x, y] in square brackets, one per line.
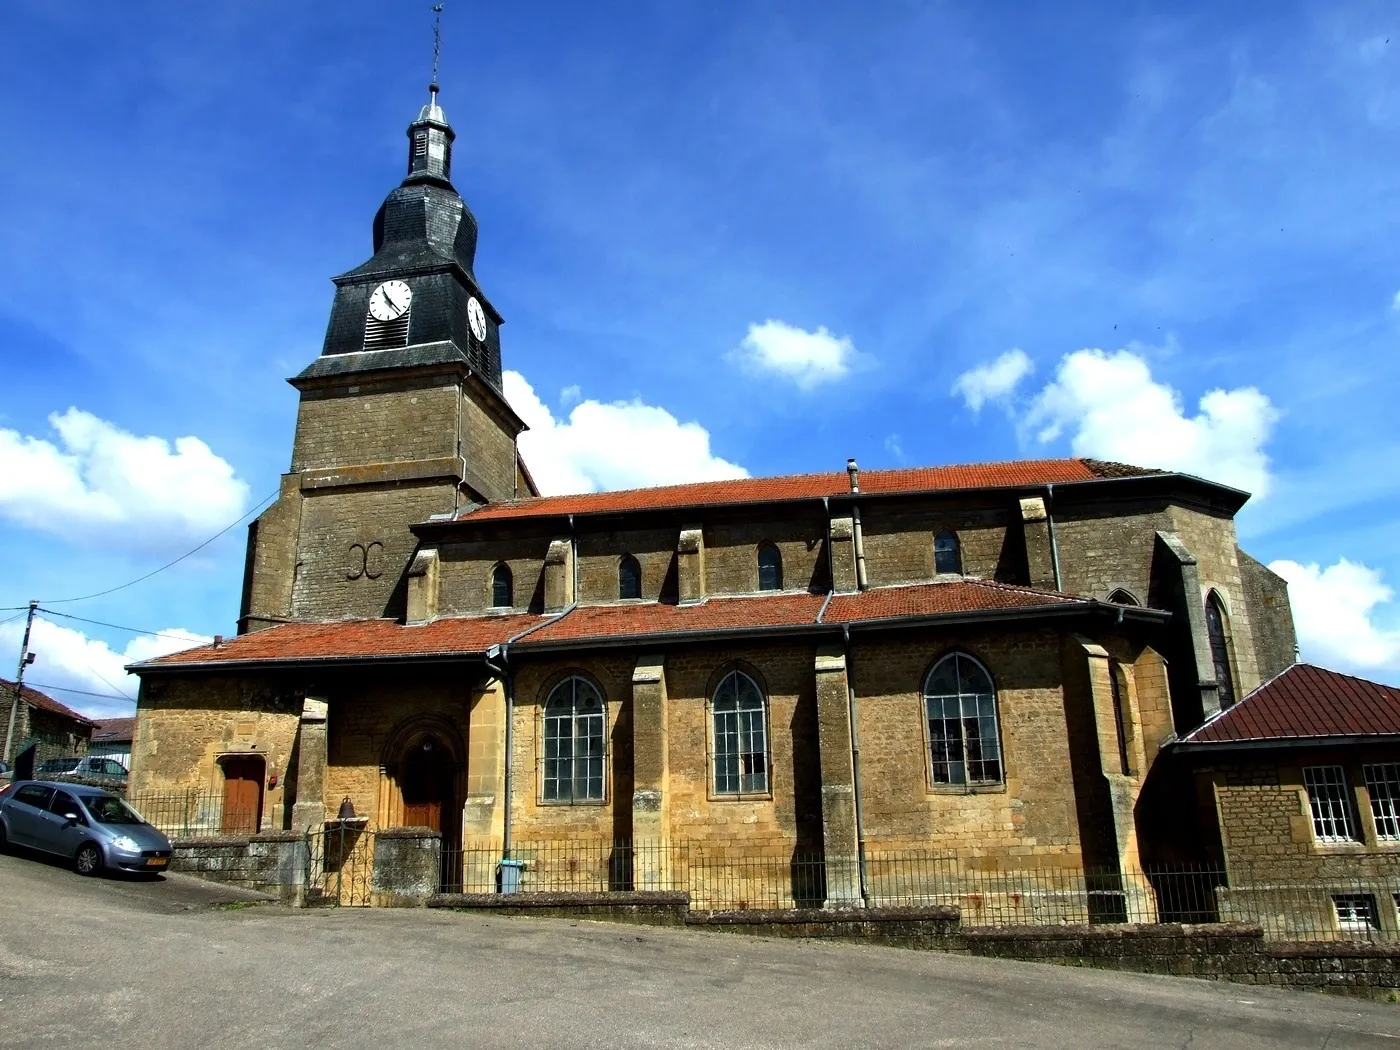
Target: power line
[111, 590]
[119, 627]
[81, 692]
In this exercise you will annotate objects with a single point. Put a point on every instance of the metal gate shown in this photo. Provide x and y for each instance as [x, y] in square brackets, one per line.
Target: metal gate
[339, 866]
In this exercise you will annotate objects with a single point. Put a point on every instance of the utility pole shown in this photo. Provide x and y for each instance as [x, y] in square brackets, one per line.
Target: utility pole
[25, 659]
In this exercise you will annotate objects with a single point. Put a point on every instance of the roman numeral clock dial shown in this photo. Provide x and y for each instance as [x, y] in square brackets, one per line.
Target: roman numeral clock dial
[390, 301]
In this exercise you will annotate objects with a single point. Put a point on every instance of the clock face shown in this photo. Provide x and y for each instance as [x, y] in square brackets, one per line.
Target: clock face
[390, 301]
[476, 318]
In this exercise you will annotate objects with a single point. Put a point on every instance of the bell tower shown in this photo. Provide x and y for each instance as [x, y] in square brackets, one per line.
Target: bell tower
[401, 418]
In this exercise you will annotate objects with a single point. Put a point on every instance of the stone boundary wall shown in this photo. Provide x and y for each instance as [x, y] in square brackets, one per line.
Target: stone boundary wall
[638, 908]
[273, 862]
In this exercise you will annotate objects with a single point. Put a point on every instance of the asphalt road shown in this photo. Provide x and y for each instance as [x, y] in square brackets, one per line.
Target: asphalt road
[178, 963]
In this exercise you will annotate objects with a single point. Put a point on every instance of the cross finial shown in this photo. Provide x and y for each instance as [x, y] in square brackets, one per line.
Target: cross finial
[437, 45]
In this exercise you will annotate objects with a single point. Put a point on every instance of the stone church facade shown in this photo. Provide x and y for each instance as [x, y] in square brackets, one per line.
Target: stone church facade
[984, 660]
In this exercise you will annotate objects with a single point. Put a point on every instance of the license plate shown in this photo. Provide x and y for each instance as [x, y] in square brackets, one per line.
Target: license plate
[157, 862]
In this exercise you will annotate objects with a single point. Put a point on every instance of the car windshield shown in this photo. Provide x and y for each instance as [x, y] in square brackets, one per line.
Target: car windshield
[108, 810]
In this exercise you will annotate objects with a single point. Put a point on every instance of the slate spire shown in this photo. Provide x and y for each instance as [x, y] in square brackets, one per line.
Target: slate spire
[430, 143]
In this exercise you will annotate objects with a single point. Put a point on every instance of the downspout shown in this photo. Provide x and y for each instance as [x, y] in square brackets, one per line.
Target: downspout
[855, 766]
[1050, 521]
[857, 534]
[507, 677]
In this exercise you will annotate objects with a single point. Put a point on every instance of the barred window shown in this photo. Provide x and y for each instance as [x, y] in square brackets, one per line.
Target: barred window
[1328, 795]
[1383, 785]
[629, 577]
[741, 736]
[1356, 911]
[573, 742]
[502, 591]
[1220, 649]
[770, 568]
[961, 706]
[947, 553]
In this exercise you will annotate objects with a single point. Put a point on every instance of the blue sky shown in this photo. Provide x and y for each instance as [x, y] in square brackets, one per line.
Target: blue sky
[774, 235]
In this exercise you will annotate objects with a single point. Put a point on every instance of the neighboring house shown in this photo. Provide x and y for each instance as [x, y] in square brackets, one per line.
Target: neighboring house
[111, 737]
[1302, 778]
[983, 660]
[41, 719]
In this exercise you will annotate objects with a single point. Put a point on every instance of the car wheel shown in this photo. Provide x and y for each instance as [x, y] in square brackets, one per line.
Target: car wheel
[88, 859]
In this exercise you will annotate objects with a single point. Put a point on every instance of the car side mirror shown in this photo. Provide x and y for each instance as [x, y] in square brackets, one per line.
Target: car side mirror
[72, 818]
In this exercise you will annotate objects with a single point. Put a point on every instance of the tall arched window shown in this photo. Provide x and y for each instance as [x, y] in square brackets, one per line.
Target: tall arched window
[960, 703]
[629, 577]
[502, 591]
[770, 568]
[573, 742]
[1119, 688]
[947, 555]
[1122, 597]
[741, 736]
[1217, 629]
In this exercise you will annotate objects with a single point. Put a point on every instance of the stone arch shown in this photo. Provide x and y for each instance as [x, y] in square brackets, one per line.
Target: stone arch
[423, 776]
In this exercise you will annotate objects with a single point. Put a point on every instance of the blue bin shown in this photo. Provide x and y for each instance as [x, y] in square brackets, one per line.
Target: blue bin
[508, 875]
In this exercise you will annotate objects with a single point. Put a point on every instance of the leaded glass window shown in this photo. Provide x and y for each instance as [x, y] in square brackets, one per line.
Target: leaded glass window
[1329, 798]
[741, 736]
[770, 568]
[947, 554]
[502, 590]
[1120, 715]
[961, 706]
[1220, 649]
[629, 577]
[1383, 785]
[573, 742]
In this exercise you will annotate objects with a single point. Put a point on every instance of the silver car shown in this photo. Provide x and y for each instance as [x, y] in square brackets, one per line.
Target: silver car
[89, 826]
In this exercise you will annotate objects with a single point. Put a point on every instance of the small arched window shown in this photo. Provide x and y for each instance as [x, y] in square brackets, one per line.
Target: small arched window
[1217, 630]
[502, 589]
[629, 577]
[740, 736]
[770, 568]
[573, 742]
[960, 703]
[1122, 597]
[947, 554]
[1119, 688]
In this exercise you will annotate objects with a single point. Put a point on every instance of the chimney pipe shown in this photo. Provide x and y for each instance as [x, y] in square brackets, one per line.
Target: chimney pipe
[218, 640]
[857, 533]
[854, 472]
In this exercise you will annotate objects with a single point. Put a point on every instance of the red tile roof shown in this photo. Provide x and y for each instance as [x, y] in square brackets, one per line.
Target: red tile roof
[42, 701]
[1306, 702]
[113, 730]
[368, 639]
[1018, 473]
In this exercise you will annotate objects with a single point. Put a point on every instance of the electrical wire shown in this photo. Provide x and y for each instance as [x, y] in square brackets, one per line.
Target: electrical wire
[112, 590]
[79, 692]
[118, 626]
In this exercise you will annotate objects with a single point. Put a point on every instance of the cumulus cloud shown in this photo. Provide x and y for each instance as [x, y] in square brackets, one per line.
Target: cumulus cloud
[1336, 611]
[994, 381]
[100, 484]
[68, 660]
[1113, 409]
[622, 444]
[808, 359]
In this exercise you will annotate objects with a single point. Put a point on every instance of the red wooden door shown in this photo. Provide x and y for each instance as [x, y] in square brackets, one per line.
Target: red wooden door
[428, 783]
[243, 784]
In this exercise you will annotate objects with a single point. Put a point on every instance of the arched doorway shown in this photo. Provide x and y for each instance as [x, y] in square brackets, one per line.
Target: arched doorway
[424, 778]
[428, 780]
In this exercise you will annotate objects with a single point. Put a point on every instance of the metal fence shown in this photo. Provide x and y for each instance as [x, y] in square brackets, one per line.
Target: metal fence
[191, 814]
[1290, 903]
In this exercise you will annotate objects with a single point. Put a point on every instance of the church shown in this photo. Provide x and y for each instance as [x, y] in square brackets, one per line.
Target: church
[983, 660]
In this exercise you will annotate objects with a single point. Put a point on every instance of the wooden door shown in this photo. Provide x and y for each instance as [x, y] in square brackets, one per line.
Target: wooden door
[243, 786]
[428, 783]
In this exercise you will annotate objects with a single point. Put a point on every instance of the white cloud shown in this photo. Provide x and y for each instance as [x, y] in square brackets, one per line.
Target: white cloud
[807, 358]
[571, 395]
[1335, 610]
[994, 381]
[625, 444]
[1115, 410]
[1395, 303]
[68, 658]
[101, 484]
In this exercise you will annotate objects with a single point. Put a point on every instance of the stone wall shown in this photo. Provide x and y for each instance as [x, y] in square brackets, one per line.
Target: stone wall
[1266, 595]
[271, 862]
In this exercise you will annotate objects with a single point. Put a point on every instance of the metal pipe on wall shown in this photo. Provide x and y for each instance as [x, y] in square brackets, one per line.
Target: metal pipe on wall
[855, 766]
[857, 533]
[1050, 522]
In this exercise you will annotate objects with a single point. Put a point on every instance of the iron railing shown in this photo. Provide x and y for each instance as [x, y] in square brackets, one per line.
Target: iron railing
[192, 814]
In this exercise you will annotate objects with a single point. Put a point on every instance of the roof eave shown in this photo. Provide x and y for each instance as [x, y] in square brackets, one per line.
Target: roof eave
[1201, 747]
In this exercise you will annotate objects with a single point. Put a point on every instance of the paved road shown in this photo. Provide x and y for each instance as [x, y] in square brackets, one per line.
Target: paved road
[169, 963]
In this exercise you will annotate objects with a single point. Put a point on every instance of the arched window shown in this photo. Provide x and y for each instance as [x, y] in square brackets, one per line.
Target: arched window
[961, 705]
[1122, 597]
[1118, 686]
[1217, 629]
[741, 736]
[770, 568]
[573, 742]
[947, 555]
[629, 577]
[502, 592]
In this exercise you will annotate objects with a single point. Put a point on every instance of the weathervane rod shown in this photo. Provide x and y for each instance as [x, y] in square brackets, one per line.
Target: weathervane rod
[437, 44]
